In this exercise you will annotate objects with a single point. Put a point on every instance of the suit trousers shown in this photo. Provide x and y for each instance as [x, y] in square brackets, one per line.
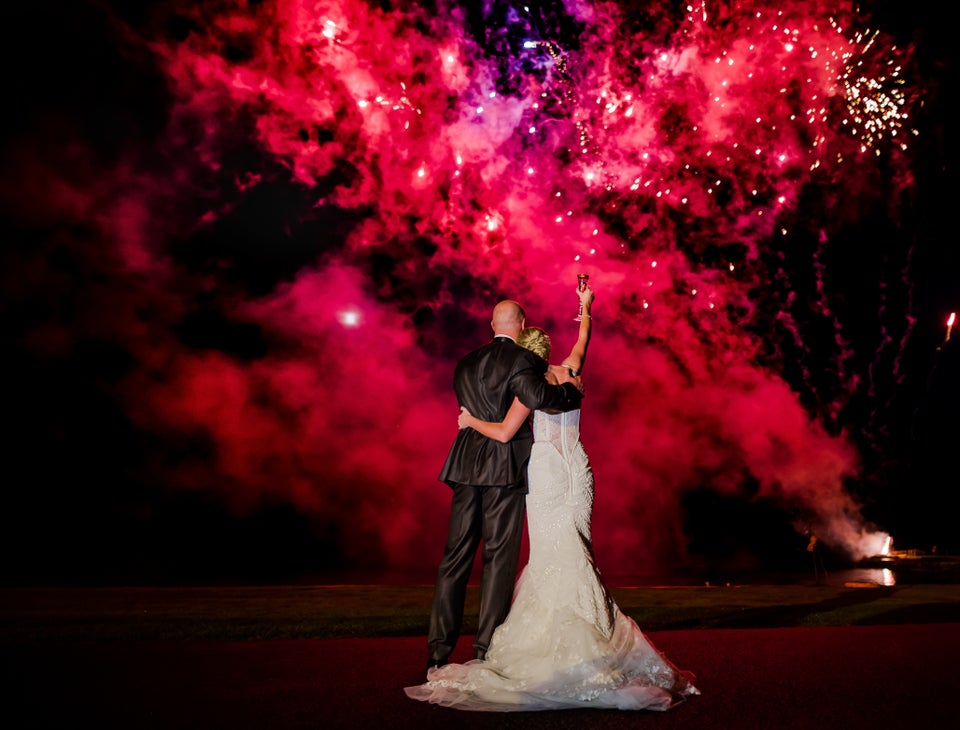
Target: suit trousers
[495, 517]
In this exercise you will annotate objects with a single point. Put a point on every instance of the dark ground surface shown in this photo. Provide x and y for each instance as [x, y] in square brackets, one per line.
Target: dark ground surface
[814, 657]
[870, 677]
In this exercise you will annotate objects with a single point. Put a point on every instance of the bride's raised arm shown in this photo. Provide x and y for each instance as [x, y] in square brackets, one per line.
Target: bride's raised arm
[578, 355]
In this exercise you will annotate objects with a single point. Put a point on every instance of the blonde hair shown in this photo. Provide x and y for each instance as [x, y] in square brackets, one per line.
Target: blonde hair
[535, 340]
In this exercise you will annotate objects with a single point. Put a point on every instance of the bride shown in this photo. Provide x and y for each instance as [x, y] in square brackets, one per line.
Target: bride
[565, 643]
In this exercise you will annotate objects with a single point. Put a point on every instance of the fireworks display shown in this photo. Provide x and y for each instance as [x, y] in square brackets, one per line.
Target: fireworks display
[286, 263]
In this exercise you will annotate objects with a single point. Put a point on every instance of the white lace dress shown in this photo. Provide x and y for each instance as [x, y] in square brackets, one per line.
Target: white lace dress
[565, 643]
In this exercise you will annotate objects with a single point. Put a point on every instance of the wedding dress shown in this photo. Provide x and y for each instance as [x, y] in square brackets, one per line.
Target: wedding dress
[565, 643]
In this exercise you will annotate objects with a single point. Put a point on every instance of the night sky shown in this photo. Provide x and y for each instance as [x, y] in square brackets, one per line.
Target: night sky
[245, 244]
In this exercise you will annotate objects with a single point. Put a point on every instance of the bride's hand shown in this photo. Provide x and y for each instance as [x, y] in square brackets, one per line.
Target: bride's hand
[462, 418]
[586, 296]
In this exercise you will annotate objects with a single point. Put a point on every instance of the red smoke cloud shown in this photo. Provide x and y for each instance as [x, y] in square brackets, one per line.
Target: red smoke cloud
[698, 166]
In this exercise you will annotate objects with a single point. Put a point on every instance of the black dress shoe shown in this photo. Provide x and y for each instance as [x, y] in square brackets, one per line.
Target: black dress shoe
[435, 663]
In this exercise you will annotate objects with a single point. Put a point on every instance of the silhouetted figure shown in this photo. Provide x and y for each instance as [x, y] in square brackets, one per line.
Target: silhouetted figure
[818, 566]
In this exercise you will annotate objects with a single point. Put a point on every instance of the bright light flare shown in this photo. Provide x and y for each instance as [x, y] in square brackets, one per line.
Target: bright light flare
[875, 543]
[349, 317]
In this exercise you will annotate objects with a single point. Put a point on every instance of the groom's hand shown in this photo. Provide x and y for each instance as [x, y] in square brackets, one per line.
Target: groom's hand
[569, 377]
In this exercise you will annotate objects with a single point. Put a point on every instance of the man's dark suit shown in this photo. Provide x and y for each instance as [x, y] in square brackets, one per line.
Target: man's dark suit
[489, 482]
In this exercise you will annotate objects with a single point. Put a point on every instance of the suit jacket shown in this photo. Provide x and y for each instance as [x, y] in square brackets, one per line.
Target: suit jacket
[486, 381]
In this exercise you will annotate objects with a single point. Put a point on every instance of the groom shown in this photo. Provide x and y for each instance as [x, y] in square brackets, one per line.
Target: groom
[489, 481]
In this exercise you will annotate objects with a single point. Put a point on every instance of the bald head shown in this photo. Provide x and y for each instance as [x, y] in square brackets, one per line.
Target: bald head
[508, 318]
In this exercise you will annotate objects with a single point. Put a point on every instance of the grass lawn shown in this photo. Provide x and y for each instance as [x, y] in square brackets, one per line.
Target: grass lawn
[330, 611]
